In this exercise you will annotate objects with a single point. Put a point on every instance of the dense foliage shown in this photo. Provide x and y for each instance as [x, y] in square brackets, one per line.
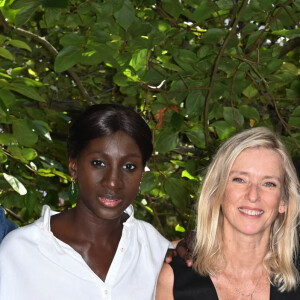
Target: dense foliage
[198, 70]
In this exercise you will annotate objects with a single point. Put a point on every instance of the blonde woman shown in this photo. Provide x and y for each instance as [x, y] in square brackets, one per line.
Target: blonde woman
[246, 240]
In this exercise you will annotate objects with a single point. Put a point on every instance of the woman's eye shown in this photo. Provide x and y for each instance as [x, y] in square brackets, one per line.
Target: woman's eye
[130, 167]
[239, 180]
[98, 163]
[270, 184]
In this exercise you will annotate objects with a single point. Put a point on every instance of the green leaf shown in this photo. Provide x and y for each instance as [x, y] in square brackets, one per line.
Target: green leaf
[51, 18]
[179, 228]
[153, 77]
[15, 184]
[186, 174]
[5, 53]
[294, 119]
[249, 112]
[250, 91]
[186, 59]
[72, 39]
[54, 3]
[176, 189]
[67, 58]
[171, 66]
[225, 4]
[194, 103]
[172, 7]
[63, 175]
[177, 121]
[5, 76]
[42, 129]
[46, 172]
[28, 82]
[149, 182]
[29, 153]
[99, 35]
[196, 136]
[178, 88]
[202, 12]
[26, 13]
[3, 109]
[228, 65]
[213, 36]
[290, 34]
[139, 60]
[126, 15]
[30, 201]
[252, 38]
[98, 53]
[50, 163]
[20, 44]
[24, 132]
[250, 27]
[7, 139]
[267, 4]
[16, 153]
[233, 117]
[7, 97]
[3, 38]
[167, 140]
[25, 91]
[274, 65]
[290, 68]
[18, 4]
[224, 130]
[3, 157]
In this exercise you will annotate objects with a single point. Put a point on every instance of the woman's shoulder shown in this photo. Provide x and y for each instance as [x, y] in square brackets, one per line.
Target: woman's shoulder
[180, 268]
[151, 233]
[5, 225]
[18, 236]
[143, 229]
[188, 284]
[23, 236]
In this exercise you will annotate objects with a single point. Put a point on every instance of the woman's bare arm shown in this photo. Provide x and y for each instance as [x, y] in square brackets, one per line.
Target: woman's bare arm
[164, 289]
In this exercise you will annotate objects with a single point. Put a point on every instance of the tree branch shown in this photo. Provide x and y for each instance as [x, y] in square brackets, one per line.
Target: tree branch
[268, 25]
[289, 46]
[215, 69]
[42, 41]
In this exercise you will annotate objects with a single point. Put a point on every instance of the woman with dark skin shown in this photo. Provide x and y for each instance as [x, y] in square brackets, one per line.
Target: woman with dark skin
[96, 250]
[105, 220]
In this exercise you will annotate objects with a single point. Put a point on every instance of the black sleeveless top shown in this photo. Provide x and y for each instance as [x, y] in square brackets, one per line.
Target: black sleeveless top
[189, 285]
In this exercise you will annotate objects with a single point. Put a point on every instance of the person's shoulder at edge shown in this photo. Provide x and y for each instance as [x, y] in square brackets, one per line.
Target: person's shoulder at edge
[164, 289]
[146, 229]
[27, 232]
[6, 225]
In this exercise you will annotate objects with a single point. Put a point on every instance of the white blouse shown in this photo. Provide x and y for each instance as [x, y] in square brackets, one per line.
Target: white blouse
[35, 265]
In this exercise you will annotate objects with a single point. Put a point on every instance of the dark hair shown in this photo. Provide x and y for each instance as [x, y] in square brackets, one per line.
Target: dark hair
[106, 119]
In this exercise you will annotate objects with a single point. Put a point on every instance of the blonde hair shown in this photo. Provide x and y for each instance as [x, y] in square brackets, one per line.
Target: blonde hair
[280, 259]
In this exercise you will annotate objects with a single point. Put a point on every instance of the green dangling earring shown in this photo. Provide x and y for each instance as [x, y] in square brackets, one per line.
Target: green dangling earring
[72, 186]
[73, 191]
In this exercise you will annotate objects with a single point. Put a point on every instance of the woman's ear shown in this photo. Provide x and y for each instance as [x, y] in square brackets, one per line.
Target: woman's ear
[73, 168]
[282, 207]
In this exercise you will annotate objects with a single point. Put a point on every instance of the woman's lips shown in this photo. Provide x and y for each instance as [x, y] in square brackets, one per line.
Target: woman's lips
[109, 202]
[251, 212]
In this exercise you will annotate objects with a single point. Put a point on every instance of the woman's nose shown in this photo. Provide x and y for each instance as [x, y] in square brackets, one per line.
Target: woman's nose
[253, 192]
[113, 179]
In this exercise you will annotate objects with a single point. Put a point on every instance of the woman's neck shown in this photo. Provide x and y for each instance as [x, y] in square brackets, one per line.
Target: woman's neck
[244, 254]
